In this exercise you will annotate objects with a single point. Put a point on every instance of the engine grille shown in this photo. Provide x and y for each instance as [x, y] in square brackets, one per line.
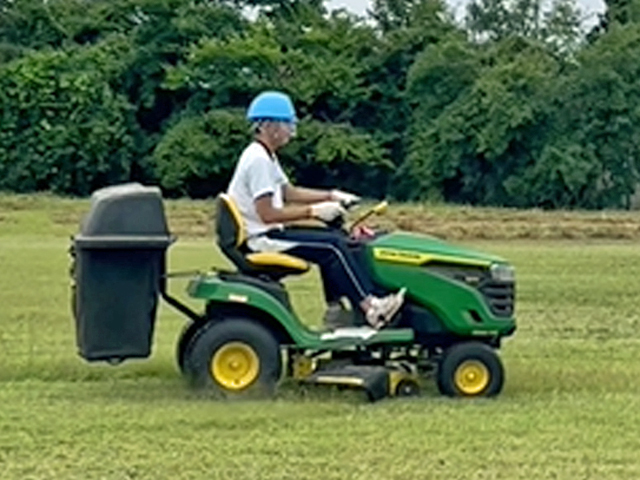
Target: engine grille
[500, 296]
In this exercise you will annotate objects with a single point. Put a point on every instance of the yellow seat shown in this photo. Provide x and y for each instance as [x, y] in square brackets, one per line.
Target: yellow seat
[277, 259]
[232, 240]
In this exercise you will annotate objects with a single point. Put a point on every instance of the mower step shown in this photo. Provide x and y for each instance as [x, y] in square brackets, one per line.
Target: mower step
[352, 336]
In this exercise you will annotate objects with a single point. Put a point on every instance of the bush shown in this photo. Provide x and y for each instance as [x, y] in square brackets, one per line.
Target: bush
[64, 128]
[326, 155]
[197, 155]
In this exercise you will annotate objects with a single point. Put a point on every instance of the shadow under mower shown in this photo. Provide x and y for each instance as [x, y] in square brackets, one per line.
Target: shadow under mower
[459, 306]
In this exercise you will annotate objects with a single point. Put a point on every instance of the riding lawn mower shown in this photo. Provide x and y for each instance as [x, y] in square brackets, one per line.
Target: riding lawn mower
[247, 338]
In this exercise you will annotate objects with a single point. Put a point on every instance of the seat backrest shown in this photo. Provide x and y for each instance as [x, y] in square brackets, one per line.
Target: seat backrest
[231, 232]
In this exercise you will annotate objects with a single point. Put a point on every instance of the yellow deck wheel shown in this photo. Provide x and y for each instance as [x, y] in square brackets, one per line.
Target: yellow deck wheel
[235, 366]
[472, 377]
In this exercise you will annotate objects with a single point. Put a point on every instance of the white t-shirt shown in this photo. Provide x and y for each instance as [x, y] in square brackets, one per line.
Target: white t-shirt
[257, 173]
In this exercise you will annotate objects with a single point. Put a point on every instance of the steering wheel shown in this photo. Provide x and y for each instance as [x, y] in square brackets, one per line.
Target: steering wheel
[377, 209]
[338, 222]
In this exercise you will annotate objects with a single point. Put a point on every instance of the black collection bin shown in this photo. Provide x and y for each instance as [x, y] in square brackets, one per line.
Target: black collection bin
[118, 267]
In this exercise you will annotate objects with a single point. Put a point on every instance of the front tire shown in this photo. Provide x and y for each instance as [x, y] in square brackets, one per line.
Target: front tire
[235, 357]
[470, 370]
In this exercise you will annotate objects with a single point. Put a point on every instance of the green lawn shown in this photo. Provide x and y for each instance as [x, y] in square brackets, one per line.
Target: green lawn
[568, 411]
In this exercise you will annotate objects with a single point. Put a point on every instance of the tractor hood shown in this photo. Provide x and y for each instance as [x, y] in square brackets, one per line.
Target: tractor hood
[415, 249]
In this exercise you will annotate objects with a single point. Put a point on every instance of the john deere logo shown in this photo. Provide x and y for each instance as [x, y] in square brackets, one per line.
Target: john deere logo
[415, 258]
[399, 256]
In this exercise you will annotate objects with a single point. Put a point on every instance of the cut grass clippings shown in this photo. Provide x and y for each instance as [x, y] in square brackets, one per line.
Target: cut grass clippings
[194, 219]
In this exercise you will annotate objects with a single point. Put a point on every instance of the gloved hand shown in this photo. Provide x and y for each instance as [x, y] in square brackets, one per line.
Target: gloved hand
[327, 211]
[345, 198]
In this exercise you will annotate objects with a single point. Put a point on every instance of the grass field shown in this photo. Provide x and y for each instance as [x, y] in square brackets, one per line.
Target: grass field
[569, 409]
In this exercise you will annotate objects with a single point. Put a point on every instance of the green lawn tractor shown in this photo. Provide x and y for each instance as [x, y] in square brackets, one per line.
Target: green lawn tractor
[247, 338]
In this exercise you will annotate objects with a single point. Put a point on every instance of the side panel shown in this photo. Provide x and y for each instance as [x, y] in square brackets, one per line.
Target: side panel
[212, 288]
[462, 308]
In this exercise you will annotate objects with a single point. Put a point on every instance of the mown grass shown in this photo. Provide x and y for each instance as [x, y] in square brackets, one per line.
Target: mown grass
[568, 411]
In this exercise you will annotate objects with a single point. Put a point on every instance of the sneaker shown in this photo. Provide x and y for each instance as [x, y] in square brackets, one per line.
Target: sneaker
[336, 316]
[382, 310]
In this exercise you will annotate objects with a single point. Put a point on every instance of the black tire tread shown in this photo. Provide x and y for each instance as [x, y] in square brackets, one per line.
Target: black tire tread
[186, 336]
[461, 352]
[213, 335]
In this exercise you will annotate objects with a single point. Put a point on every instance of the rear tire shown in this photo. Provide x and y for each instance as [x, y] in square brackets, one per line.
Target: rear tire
[234, 357]
[188, 333]
[470, 370]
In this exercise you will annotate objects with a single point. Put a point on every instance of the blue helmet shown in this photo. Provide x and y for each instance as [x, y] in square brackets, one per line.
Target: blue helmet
[272, 106]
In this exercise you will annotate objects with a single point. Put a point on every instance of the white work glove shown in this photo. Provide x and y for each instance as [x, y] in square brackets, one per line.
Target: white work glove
[344, 198]
[327, 211]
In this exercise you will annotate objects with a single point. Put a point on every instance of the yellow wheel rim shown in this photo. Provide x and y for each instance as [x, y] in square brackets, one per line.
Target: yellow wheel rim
[472, 377]
[235, 366]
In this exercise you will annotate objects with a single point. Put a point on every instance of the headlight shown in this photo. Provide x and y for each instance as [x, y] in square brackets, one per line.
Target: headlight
[502, 272]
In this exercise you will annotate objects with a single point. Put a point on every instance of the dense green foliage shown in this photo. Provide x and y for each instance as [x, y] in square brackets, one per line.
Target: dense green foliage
[515, 105]
[64, 127]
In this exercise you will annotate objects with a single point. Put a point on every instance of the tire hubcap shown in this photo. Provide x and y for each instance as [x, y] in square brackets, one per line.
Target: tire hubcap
[472, 377]
[235, 366]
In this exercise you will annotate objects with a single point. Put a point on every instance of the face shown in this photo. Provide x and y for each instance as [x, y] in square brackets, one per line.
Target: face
[280, 133]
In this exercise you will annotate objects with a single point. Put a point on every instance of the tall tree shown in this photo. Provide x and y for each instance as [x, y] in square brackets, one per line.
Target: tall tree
[596, 122]
[321, 61]
[391, 15]
[617, 13]
[405, 29]
[558, 26]
[477, 146]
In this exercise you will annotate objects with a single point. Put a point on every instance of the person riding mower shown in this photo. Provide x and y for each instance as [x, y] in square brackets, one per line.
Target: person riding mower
[267, 203]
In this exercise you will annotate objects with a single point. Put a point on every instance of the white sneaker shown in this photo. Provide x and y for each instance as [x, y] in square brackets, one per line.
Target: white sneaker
[382, 310]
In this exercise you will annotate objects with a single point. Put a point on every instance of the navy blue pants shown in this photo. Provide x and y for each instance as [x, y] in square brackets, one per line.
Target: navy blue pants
[342, 274]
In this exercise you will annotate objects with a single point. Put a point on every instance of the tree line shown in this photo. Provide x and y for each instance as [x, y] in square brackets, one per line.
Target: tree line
[516, 104]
